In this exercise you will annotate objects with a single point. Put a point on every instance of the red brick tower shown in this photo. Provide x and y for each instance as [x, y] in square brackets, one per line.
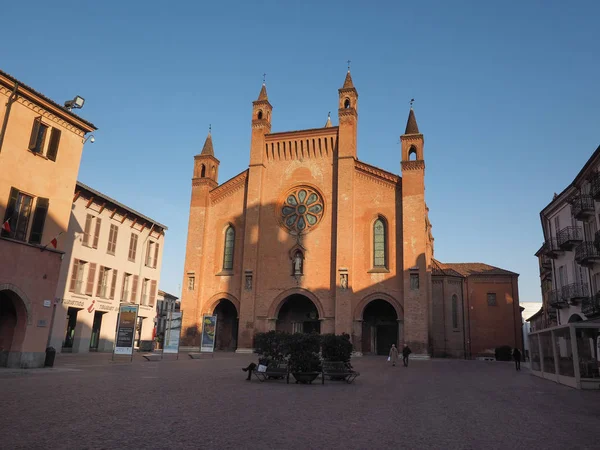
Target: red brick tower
[261, 125]
[346, 157]
[206, 171]
[417, 279]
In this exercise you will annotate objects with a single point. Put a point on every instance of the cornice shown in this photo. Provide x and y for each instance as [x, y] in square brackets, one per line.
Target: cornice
[261, 123]
[43, 112]
[413, 165]
[201, 156]
[229, 187]
[345, 112]
[377, 174]
[203, 181]
[262, 102]
[412, 137]
[347, 90]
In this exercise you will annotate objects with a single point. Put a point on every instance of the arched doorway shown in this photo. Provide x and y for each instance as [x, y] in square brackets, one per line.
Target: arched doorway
[298, 314]
[13, 323]
[380, 328]
[227, 326]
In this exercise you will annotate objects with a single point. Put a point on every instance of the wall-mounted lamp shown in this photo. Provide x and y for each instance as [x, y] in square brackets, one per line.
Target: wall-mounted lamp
[91, 138]
[76, 103]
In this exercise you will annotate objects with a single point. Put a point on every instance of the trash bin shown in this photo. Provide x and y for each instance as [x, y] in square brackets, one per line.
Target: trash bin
[50, 355]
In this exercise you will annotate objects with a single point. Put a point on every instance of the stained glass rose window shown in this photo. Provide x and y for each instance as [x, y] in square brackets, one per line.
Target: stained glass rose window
[302, 209]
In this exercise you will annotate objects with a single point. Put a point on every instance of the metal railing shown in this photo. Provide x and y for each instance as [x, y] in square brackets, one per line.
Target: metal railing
[551, 248]
[574, 292]
[555, 299]
[590, 306]
[586, 253]
[582, 205]
[569, 236]
[595, 186]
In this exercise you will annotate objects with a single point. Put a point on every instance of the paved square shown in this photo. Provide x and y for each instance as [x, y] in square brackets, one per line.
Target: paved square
[90, 403]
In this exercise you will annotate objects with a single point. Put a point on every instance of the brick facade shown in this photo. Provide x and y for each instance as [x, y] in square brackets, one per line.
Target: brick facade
[318, 239]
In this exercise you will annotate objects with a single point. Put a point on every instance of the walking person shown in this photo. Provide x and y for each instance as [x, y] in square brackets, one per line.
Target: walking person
[517, 358]
[405, 352]
[393, 355]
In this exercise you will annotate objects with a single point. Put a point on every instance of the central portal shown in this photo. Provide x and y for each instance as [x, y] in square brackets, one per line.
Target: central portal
[298, 314]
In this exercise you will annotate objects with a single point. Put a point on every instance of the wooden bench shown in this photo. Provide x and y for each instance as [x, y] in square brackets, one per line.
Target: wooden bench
[275, 370]
[338, 370]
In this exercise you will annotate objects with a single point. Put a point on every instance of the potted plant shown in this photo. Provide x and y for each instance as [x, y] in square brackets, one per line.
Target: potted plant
[271, 346]
[304, 361]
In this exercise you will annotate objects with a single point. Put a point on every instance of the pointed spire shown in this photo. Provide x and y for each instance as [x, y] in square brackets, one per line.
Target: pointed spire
[263, 94]
[328, 123]
[207, 150]
[411, 123]
[348, 81]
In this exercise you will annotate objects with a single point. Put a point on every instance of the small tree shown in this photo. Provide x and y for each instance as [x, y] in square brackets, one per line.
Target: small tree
[304, 353]
[272, 345]
[336, 347]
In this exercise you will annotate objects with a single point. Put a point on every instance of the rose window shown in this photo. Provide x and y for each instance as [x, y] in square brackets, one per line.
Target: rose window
[302, 209]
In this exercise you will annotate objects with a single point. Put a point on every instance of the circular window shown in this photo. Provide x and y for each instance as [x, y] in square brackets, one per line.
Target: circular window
[302, 209]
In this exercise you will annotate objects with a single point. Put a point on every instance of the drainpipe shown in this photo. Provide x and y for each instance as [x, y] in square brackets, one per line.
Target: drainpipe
[462, 304]
[11, 100]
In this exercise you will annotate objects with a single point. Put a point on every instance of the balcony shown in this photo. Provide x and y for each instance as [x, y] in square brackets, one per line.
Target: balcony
[582, 207]
[569, 237]
[595, 186]
[574, 292]
[587, 254]
[556, 300]
[590, 306]
[551, 248]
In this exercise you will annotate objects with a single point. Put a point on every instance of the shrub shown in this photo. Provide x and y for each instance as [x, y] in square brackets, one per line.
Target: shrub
[503, 353]
[336, 347]
[304, 352]
[272, 345]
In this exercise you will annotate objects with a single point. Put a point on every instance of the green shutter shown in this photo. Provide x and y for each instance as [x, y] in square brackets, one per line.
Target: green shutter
[34, 133]
[39, 219]
[53, 146]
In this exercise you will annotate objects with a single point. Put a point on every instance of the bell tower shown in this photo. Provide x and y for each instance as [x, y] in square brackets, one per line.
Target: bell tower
[261, 125]
[205, 178]
[415, 264]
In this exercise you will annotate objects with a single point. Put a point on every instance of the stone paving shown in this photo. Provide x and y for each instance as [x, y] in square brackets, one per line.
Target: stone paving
[89, 402]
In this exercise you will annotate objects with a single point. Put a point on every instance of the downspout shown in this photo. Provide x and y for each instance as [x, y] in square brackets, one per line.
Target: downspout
[11, 100]
[469, 317]
[462, 307]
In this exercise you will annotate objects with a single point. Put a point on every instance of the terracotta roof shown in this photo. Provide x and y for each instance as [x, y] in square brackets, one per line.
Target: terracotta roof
[411, 123]
[42, 96]
[263, 93]
[348, 82]
[207, 150]
[467, 269]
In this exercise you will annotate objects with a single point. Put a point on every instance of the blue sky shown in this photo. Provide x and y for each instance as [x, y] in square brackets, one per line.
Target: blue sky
[506, 95]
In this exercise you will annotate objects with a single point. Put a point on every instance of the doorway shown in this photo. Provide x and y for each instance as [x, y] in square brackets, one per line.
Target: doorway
[95, 338]
[298, 314]
[380, 328]
[70, 330]
[227, 326]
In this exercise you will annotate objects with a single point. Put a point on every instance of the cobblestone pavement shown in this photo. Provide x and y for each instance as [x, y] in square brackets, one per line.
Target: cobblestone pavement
[89, 402]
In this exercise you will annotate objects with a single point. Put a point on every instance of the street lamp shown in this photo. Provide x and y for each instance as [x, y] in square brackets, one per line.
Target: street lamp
[91, 138]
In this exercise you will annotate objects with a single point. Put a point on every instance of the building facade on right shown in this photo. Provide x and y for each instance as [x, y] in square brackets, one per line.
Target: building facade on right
[569, 259]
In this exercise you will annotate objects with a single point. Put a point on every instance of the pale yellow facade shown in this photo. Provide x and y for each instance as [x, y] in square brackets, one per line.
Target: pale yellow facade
[114, 257]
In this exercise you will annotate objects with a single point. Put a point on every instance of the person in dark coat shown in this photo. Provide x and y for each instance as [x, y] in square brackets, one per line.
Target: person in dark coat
[251, 367]
[517, 358]
[405, 352]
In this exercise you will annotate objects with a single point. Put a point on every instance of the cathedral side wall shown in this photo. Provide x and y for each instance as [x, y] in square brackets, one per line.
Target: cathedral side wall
[447, 331]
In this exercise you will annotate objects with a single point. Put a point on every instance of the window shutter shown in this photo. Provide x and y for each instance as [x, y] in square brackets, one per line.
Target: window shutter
[53, 146]
[152, 293]
[114, 284]
[97, 233]
[148, 253]
[34, 133]
[114, 239]
[90, 281]
[123, 296]
[100, 276]
[74, 275]
[134, 288]
[155, 255]
[110, 237]
[39, 219]
[10, 212]
[87, 229]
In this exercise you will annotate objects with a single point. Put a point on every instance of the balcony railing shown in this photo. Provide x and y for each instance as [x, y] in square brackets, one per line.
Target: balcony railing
[574, 292]
[595, 186]
[587, 254]
[555, 299]
[582, 207]
[590, 306]
[551, 248]
[569, 237]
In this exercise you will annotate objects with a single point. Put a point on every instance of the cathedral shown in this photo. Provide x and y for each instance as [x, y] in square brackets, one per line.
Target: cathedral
[311, 239]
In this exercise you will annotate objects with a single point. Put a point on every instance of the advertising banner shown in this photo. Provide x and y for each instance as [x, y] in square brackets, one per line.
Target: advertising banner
[126, 329]
[209, 328]
[172, 333]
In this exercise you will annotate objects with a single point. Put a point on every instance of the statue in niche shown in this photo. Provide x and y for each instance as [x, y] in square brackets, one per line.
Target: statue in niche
[248, 282]
[298, 264]
[344, 280]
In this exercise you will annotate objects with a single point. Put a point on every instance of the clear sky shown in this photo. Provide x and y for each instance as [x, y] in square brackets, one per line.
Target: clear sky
[507, 96]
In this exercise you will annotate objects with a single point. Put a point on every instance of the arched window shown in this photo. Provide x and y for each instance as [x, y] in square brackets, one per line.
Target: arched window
[347, 103]
[260, 115]
[379, 244]
[412, 154]
[202, 171]
[454, 311]
[228, 251]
